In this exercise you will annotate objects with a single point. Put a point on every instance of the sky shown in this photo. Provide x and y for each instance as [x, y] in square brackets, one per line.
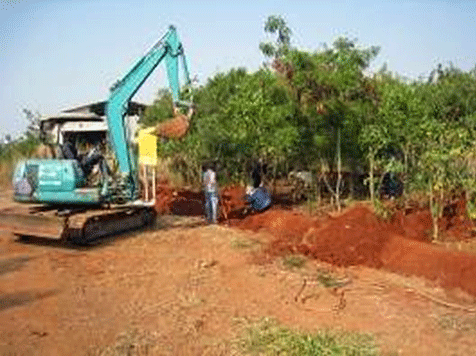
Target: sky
[61, 54]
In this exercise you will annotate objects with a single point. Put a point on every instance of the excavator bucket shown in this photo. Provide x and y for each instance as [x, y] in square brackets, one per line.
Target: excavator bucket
[175, 128]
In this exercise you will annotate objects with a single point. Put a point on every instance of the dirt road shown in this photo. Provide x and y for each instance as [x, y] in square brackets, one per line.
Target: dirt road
[186, 290]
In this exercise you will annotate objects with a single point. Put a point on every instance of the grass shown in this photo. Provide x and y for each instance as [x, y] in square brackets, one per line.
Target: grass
[242, 243]
[268, 338]
[328, 280]
[294, 261]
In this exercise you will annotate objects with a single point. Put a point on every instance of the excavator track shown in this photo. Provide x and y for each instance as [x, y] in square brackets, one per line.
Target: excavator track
[80, 226]
[89, 226]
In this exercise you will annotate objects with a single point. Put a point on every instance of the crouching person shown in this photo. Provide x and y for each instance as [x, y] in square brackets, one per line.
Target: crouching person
[258, 198]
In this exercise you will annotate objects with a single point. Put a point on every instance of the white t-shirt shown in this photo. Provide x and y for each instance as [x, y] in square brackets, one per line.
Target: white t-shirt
[210, 181]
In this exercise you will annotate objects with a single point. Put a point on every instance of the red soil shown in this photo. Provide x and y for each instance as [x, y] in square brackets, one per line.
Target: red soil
[358, 237]
[175, 128]
[188, 203]
[232, 202]
[164, 198]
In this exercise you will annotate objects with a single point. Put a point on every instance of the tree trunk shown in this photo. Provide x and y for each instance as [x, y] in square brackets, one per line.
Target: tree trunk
[371, 174]
[339, 170]
[434, 212]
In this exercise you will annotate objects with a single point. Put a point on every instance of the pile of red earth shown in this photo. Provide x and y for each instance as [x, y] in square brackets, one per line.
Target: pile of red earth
[232, 202]
[358, 237]
[189, 203]
[179, 202]
[164, 197]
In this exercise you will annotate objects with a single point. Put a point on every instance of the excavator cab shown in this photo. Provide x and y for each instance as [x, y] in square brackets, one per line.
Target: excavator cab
[75, 138]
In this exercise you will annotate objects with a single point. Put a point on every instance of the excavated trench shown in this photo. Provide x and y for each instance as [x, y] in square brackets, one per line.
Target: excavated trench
[355, 237]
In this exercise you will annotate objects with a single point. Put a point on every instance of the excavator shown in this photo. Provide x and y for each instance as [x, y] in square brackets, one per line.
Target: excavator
[57, 199]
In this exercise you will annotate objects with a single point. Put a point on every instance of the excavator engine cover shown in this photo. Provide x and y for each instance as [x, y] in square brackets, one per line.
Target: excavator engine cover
[52, 181]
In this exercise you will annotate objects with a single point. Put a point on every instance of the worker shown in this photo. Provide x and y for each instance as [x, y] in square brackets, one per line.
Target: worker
[211, 192]
[259, 170]
[258, 198]
[68, 149]
[91, 158]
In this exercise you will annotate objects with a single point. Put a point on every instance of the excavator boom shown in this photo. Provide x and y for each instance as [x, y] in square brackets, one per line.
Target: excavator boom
[169, 48]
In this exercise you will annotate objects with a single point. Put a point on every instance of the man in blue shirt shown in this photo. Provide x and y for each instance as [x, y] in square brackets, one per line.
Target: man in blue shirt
[259, 198]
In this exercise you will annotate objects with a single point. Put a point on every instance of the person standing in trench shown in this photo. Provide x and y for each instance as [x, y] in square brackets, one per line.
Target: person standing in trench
[211, 193]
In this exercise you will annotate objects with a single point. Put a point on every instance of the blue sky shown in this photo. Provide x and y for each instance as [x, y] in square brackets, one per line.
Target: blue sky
[59, 54]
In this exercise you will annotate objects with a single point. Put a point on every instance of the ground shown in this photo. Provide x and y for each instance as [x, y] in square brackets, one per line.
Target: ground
[184, 288]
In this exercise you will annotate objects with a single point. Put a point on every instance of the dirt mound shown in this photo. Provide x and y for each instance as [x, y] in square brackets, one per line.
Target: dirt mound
[286, 225]
[232, 202]
[188, 203]
[358, 237]
[413, 224]
[164, 198]
[417, 223]
[448, 268]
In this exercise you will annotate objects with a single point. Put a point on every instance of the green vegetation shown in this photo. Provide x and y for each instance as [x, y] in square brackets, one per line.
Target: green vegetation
[319, 110]
[13, 152]
[329, 280]
[268, 338]
[243, 243]
[294, 261]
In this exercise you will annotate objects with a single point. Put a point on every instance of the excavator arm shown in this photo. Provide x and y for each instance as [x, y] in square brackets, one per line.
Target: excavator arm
[168, 48]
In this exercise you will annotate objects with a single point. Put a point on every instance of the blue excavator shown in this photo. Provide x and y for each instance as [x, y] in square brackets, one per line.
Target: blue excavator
[58, 201]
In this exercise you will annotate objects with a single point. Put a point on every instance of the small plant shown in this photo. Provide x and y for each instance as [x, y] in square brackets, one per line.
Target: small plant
[241, 243]
[471, 209]
[294, 261]
[329, 280]
[382, 211]
[268, 338]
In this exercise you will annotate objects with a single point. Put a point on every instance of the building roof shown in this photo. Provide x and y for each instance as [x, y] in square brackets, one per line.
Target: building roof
[72, 116]
[99, 108]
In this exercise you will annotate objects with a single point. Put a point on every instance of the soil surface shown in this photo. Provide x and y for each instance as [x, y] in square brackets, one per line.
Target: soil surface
[184, 288]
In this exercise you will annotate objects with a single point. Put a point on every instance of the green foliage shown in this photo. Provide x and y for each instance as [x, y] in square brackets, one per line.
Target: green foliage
[381, 210]
[320, 111]
[294, 261]
[240, 117]
[276, 25]
[268, 338]
[161, 110]
[12, 153]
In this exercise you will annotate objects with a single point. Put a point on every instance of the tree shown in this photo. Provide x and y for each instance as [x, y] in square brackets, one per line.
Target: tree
[33, 119]
[276, 24]
[332, 100]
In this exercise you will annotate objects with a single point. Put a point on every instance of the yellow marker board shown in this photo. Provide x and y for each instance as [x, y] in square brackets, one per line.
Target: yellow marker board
[147, 148]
